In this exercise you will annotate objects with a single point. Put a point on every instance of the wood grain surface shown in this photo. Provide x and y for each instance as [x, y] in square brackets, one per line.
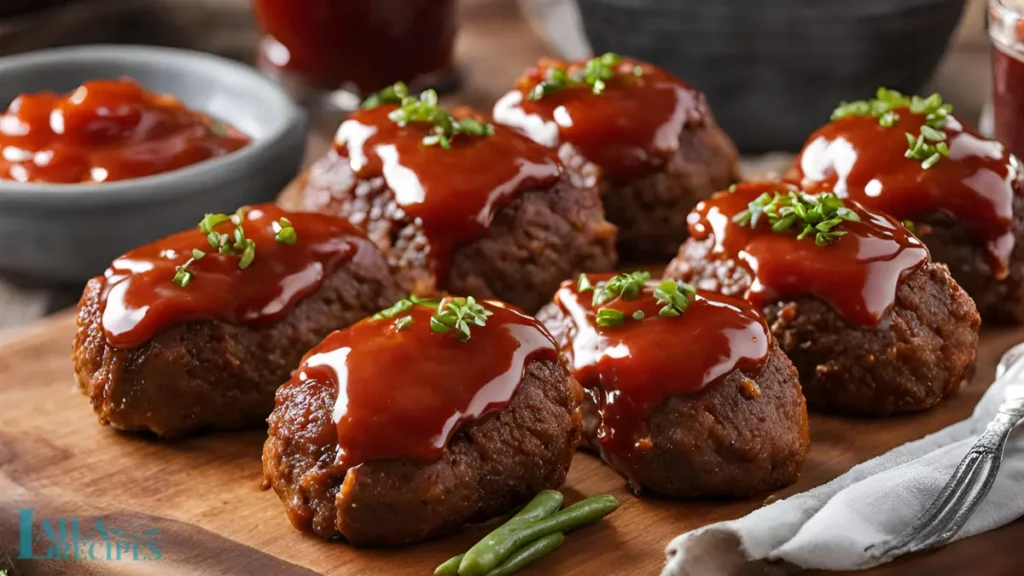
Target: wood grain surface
[204, 493]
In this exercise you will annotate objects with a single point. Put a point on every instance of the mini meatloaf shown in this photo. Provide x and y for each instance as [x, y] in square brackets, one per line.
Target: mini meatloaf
[686, 394]
[491, 214]
[479, 414]
[178, 336]
[646, 138]
[963, 194]
[873, 326]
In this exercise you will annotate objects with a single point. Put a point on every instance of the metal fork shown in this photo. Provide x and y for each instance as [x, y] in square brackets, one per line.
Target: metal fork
[972, 479]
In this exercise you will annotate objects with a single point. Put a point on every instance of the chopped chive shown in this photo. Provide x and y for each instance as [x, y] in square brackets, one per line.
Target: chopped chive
[584, 285]
[626, 285]
[817, 215]
[609, 317]
[923, 147]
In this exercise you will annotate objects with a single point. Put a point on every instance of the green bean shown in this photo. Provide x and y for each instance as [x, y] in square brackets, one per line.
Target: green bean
[500, 544]
[450, 567]
[543, 504]
[528, 555]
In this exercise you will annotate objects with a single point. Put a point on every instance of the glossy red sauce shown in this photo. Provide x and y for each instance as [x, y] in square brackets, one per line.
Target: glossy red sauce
[628, 129]
[365, 44]
[863, 161]
[404, 393]
[631, 368]
[857, 274]
[452, 194]
[140, 298]
[106, 130]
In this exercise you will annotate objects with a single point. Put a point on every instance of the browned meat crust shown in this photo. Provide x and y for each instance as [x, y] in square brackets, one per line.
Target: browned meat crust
[535, 242]
[743, 435]
[489, 467]
[917, 356]
[650, 211]
[211, 374]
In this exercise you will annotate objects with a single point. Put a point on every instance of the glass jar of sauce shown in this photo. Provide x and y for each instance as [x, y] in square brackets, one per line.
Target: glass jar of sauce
[347, 49]
[1006, 29]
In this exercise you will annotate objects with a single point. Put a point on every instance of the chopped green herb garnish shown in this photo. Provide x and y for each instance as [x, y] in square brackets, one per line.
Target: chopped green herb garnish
[819, 215]
[909, 225]
[404, 305]
[732, 187]
[598, 70]
[207, 224]
[183, 275]
[403, 323]
[248, 254]
[393, 94]
[675, 297]
[638, 315]
[627, 286]
[610, 317]
[929, 146]
[445, 126]
[285, 232]
[584, 285]
[594, 73]
[457, 314]
[233, 244]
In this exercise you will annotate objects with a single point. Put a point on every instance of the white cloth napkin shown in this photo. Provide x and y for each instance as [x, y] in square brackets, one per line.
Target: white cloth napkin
[830, 526]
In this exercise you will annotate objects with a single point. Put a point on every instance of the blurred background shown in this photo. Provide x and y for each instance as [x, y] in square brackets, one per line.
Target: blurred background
[772, 69]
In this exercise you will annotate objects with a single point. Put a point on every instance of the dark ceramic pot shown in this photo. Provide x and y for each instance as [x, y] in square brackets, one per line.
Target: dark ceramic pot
[773, 70]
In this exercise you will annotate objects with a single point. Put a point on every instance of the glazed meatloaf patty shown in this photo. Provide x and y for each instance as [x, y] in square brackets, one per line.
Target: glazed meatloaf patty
[968, 207]
[953, 243]
[744, 433]
[520, 236]
[648, 140]
[213, 374]
[919, 352]
[488, 466]
[650, 211]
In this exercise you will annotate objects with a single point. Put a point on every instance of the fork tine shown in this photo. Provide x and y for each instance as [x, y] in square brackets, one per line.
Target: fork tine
[976, 488]
[961, 501]
[926, 522]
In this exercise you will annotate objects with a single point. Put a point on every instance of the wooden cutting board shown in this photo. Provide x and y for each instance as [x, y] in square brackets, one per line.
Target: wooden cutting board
[203, 494]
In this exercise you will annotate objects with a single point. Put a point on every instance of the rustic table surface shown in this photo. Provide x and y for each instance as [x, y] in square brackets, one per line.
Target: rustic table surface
[203, 493]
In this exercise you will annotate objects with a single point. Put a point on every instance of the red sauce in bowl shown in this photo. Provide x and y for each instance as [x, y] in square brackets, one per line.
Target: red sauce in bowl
[104, 131]
[627, 129]
[857, 274]
[629, 369]
[403, 393]
[861, 160]
[452, 194]
[140, 297]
